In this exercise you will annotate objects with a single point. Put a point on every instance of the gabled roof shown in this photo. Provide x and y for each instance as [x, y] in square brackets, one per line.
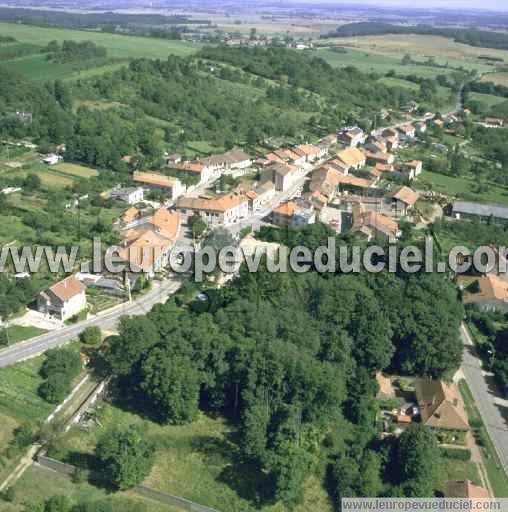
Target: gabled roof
[144, 250]
[129, 215]
[440, 405]
[150, 178]
[67, 288]
[195, 167]
[288, 209]
[492, 287]
[367, 221]
[284, 169]
[484, 210]
[220, 204]
[351, 156]
[167, 223]
[406, 195]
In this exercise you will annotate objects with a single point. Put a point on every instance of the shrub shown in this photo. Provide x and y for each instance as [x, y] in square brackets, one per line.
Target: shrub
[457, 454]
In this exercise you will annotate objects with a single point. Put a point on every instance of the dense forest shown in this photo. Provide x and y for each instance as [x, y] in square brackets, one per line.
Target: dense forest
[299, 383]
[472, 37]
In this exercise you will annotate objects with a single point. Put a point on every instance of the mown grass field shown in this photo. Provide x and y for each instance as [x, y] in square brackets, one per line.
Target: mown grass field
[197, 462]
[19, 333]
[118, 46]
[442, 49]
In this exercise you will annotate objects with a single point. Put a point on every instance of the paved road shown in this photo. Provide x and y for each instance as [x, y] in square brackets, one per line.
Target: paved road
[492, 407]
[107, 320]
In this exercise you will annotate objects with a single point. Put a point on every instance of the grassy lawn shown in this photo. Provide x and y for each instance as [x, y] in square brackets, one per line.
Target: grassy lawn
[38, 484]
[452, 469]
[497, 477]
[196, 461]
[54, 179]
[462, 187]
[19, 333]
[118, 46]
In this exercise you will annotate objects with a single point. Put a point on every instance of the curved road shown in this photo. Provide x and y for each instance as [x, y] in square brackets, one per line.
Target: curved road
[107, 320]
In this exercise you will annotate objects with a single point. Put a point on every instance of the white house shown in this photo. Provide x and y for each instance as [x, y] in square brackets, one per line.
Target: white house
[130, 195]
[52, 159]
[152, 181]
[63, 300]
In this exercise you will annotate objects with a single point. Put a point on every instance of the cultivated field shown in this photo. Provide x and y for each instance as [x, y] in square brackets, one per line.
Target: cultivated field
[79, 171]
[444, 50]
[369, 61]
[497, 78]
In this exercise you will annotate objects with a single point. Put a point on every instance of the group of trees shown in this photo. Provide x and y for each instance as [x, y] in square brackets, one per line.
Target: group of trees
[299, 380]
[73, 51]
[14, 295]
[61, 367]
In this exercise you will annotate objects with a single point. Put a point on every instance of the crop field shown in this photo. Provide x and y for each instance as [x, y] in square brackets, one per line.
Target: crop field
[368, 61]
[497, 78]
[118, 46]
[442, 49]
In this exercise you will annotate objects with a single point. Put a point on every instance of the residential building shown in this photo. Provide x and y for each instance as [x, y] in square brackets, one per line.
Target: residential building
[438, 123]
[224, 210]
[440, 405]
[284, 176]
[329, 140]
[465, 489]
[390, 132]
[392, 142]
[352, 158]
[403, 200]
[52, 159]
[420, 128]
[369, 224]
[173, 187]
[492, 294]
[203, 173]
[129, 195]
[379, 158]
[410, 107]
[173, 160]
[260, 195]
[286, 156]
[63, 300]
[25, 117]
[353, 184]
[310, 152]
[375, 145]
[481, 211]
[410, 169]
[234, 159]
[352, 137]
[408, 131]
[494, 122]
[382, 168]
[293, 214]
[130, 215]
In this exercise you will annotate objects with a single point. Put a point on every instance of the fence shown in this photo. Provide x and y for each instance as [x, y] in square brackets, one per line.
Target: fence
[161, 497]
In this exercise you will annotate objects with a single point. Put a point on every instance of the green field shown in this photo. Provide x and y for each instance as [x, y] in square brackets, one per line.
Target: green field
[38, 484]
[75, 170]
[487, 100]
[18, 392]
[462, 188]
[376, 63]
[196, 461]
[118, 46]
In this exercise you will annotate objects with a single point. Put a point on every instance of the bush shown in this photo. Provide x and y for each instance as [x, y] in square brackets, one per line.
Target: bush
[456, 454]
[91, 336]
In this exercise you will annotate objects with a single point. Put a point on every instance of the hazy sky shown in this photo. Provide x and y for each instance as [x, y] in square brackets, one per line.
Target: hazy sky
[499, 5]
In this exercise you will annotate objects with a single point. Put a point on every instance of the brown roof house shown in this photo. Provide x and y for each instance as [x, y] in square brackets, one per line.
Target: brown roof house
[492, 294]
[403, 200]
[465, 489]
[63, 300]
[369, 224]
[440, 405]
